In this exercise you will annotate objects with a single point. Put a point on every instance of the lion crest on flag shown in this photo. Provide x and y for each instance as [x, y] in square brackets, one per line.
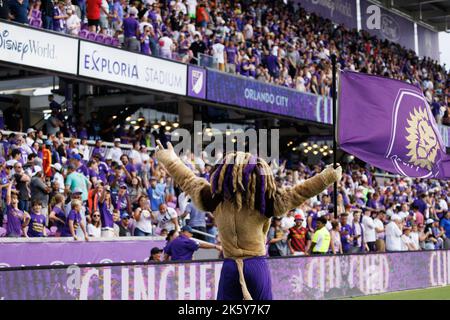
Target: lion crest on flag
[423, 143]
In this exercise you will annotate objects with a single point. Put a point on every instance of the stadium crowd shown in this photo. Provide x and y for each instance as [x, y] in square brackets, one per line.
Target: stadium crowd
[59, 187]
[266, 40]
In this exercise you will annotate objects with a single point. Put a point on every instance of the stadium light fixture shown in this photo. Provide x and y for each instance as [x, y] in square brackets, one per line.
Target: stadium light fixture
[331, 151]
[306, 151]
[321, 149]
[315, 146]
[315, 152]
[234, 140]
[325, 147]
[175, 124]
[156, 126]
[168, 128]
[309, 148]
[128, 119]
[305, 144]
[163, 121]
[294, 149]
[325, 154]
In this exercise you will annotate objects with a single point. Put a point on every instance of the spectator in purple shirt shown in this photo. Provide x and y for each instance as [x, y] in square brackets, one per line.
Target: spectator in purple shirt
[346, 234]
[183, 247]
[16, 217]
[231, 54]
[131, 31]
[59, 17]
[36, 221]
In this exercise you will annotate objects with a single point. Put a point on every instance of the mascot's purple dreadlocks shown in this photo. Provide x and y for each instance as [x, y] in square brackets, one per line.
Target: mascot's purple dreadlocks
[243, 196]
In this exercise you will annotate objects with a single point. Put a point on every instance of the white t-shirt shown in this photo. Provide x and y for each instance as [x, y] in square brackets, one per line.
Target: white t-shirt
[369, 229]
[116, 153]
[287, 223]
[415, 239]
[165, 221]
[393, 237]
[145, 222]
[85, 151]
[192, 7]
[248, 31]
[136, 155]
[217, 51]
[379, 225]
[405, 241]
[93, 231]
[166, 43]
[58, 177]
[443, 204]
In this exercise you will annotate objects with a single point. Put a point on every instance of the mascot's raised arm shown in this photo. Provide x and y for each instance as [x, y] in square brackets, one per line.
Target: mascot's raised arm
[243, 196]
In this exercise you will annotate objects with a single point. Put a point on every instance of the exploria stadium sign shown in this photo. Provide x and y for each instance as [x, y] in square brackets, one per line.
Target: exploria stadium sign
[124, 67]
[38, 49]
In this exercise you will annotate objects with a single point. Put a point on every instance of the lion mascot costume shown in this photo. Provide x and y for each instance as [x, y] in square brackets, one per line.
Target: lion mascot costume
[243, 196]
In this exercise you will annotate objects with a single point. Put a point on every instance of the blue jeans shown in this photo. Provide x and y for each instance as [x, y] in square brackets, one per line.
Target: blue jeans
[47, 22]
[24, 205]
[82, 5]
[139, 233]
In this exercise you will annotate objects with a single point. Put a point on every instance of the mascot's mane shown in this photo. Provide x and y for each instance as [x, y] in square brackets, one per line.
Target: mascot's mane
[245, 180]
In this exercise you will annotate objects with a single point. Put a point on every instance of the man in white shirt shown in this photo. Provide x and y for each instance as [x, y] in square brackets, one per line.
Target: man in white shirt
[407, 241]
[116, 151]
[369, 229]
[443, 202]
[394, 234]
[166, 45]
[379, 230]
[167, 218]
[218, 52]
[248, 30]
[404, 212]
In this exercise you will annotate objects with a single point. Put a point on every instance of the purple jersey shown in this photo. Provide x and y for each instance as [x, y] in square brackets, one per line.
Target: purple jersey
[15, 218]
[76, 218]
[181, 248]
[106, 215]
[36, 225]
[59, 213]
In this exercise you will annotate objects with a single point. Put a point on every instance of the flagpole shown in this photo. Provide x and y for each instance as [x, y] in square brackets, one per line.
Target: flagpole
[334, 93]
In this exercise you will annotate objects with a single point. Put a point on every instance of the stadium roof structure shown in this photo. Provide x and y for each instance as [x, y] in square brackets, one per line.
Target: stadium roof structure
[435, 13]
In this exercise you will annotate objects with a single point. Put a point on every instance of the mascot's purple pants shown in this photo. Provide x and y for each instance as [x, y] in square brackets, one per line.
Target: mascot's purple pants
[257, 277]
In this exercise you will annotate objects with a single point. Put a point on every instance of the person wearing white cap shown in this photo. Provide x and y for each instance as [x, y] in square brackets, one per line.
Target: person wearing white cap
[58, 177]
[394, 234]
[116, 152]
[31, 136]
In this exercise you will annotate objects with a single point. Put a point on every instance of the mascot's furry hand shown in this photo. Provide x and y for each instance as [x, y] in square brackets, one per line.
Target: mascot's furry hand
[165, 156]
[331, 174]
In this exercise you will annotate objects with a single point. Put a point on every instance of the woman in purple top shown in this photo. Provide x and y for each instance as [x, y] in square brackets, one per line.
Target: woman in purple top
[36, 221]
[16, 218]
[57, 215]
[73, 222]
[106, 209]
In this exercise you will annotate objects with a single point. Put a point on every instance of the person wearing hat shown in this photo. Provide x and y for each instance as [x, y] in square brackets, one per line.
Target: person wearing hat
[121, 200]
[155, 255]
[183, 247]
[407, 241]
[77, 194]
[31, 137]
[369, 229]
[131, 31]
[76, 180]
[79, 165]
[347, 232]
[58, 176]
[394, 234]
[124, 230]
[320, 243]
[298, 238]
[116, 151]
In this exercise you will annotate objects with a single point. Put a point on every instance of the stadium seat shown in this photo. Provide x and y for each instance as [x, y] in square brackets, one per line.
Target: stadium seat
[91, 36]
[99, 38]
[83, 34]
[108, 40]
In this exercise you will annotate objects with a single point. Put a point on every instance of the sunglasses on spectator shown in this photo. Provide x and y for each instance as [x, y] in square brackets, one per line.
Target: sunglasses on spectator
[96, 216]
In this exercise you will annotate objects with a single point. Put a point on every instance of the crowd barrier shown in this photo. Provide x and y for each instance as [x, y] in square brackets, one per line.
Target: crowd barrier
[61, 251]
[293, 278]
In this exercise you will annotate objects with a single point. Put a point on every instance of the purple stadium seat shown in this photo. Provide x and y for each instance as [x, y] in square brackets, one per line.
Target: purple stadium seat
[37, 23]
[83, 34]
[91, 36]
[116, 42]
[108, 41]
[99, 37]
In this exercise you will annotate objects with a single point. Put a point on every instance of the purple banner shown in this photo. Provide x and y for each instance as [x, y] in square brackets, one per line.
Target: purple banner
[406, 140]
[392, 27]
[251, 94]
[338, 11]
[196, 82]
[294, 278]
[16, 254]
[428, 43]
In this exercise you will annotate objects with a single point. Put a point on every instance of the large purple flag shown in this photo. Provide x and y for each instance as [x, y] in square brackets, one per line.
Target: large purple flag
[388, 124]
